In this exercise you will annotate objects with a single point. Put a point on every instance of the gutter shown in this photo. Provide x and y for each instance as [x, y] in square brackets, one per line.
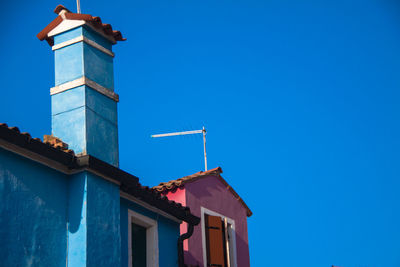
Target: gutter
[189, 233]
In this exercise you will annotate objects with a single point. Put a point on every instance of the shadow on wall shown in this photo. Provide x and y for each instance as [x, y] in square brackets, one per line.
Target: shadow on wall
[209, 185]
[242, 256]
[76, 192]
[189, 258]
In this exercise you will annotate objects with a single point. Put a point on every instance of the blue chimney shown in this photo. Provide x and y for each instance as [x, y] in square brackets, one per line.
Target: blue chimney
[83, 101]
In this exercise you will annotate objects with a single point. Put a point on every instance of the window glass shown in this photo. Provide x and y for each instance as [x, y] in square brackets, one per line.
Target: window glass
[138, 246]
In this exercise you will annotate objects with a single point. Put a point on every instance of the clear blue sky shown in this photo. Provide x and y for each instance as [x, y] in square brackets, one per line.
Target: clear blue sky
[300, 100]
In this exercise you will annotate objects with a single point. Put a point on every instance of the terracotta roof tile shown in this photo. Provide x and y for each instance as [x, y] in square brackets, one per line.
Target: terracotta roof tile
[53, 148]
[67, 14]
[178, 183]
[63, 147]
[60, 8]
[57, 143]
[173, 184]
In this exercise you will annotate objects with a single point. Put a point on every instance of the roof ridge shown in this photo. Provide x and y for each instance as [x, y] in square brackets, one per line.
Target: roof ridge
[172, 185]
[65, 14]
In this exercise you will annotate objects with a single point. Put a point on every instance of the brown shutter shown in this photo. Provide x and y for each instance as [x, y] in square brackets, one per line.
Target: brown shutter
[215, 241]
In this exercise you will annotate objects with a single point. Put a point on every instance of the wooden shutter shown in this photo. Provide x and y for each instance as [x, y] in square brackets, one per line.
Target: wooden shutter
[215, 241]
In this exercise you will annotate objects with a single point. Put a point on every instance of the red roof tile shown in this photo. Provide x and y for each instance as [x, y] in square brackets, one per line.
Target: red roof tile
[93, 21]
[59, 145]
[178, 183]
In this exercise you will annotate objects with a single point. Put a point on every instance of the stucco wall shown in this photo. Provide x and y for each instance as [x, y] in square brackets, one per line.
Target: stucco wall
[210, 193]
[103, 222]
[179, 196]
[94, 218]
[42, 210]
[73, 61]
[168, 233]
[82, 117]
[32, 213]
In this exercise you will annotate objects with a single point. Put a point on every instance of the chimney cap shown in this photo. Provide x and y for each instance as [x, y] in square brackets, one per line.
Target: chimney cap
[95, 22]
[60, 8]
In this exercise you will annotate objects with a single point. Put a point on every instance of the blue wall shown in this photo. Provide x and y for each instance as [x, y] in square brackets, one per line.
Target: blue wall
[32, 213]
[93, 221]
[168, 234]
[103, 222]
[44, 213]
[77, 220]
[47, 217]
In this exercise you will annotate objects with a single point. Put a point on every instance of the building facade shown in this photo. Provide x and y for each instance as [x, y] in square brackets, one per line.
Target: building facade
[65, 202]
[221, 239]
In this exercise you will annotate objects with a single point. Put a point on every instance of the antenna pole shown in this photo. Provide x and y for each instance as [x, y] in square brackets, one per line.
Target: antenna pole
[78, 6]
[205, 152]
[203, 131]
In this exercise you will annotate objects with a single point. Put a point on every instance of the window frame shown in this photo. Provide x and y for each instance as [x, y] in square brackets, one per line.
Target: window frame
[232, 234]
[151, 237]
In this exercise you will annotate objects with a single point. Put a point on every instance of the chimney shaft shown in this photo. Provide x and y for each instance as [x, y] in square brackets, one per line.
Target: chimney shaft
[83, 102]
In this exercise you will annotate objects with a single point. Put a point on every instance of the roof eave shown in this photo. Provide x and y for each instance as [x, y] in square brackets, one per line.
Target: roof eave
[23, 144]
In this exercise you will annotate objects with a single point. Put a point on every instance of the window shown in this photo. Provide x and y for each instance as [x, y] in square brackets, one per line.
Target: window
[142, 240]
[138, 245]
[219, 242]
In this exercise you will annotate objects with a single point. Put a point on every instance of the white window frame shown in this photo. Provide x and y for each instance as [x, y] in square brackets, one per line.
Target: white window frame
[232, 233]
[151, 237]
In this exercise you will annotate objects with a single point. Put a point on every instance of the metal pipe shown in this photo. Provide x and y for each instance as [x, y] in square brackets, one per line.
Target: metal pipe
[205, 153]
[177, 133]
[181, 258]
[78, 6]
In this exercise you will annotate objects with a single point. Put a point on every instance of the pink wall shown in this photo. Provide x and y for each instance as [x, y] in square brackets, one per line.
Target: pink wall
[179, 196]
[210, 193]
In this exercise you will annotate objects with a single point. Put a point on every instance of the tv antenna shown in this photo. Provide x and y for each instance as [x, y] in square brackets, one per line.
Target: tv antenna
[78, 6]
[203, 131]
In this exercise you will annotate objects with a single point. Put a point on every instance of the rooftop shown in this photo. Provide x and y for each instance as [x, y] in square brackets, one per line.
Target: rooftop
[54, 154]
[178, 183]
[65, 14]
